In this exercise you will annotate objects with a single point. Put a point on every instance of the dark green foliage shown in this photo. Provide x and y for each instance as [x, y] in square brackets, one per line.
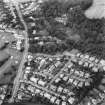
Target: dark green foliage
[76, 15]
[52, 8]
[8, 19]
[60, 35]
[50, 48]
[3, 61]
[6, 13]
[85, 4]
[91, 31]
[83, 25]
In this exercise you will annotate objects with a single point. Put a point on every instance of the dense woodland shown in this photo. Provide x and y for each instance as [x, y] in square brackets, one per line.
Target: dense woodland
[90, 32]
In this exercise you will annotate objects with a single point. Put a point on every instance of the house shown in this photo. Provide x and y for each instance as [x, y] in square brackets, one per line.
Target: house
[33, 79]
[59, 89]
[47, 95]
[64, 103]
[57, 101]
[71, 100]
[53, 98]
[41, 83]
